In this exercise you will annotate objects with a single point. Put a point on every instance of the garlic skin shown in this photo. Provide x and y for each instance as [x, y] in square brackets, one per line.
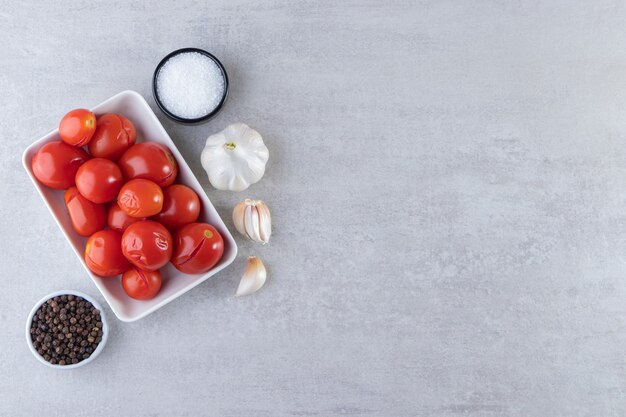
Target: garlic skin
[254, 277]
[234, 158]
[253, 220]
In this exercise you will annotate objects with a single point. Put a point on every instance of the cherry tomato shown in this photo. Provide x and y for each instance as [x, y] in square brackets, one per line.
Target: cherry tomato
[87, 217]
[149, 160]
[77, 127]
[99, 180]
[181, 206]
[114, 135]
[56, 163]
[103, 254]
[140, 284]
[118, 220]
[197, 248]
[147, 245]
[140, 198]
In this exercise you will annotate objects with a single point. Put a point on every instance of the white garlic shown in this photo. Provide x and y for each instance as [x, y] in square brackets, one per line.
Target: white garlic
[252, 219]
[234, 158]
[254, 277]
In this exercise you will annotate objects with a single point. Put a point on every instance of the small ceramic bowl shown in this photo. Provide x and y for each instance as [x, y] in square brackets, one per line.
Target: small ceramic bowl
[173, 116]
[94, 355]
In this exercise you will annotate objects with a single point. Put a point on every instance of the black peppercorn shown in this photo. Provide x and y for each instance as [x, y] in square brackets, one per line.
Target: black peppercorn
[66, 330]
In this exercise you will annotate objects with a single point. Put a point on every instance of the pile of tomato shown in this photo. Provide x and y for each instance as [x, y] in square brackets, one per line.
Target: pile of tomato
[122, 196]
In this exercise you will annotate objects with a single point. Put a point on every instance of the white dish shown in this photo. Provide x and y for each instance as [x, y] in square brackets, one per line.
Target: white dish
[133, 106]
[94, 355]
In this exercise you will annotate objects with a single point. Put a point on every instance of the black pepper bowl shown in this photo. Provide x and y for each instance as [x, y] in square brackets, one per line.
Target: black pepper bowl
[182, 119]
[94, 354]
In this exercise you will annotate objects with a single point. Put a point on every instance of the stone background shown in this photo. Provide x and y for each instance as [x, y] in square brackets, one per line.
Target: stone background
[448, 186]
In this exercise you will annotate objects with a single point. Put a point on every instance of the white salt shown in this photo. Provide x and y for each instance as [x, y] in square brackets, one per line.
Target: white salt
[190, 85]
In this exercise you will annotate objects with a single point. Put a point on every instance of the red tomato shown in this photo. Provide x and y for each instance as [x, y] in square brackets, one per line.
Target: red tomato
[103, 254]
[181, 205]
[149, 160]
[77, 127]
[118, 220]
[56, 163]
[140, 284]
[114, 135]
[197, 248]
[140, 198]
[99, 180]
[87, 217]
[147, 245]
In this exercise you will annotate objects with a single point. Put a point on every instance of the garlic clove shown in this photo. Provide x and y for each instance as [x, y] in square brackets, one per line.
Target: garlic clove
[265, 222]
[252, 219]
[253, 278]
[251, 223]
[238, 216]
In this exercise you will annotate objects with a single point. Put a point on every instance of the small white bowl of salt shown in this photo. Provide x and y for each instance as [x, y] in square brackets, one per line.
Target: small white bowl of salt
[190, 85]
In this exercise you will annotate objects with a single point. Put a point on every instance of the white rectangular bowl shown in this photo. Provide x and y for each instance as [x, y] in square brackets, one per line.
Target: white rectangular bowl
[133, 106]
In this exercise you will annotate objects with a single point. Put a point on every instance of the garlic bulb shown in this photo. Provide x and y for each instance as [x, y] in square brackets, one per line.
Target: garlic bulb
[234, 158]
[254, 277]
[252, 219]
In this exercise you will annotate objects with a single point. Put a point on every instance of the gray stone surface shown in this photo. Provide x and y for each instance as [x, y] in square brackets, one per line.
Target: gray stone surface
[448, 185]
